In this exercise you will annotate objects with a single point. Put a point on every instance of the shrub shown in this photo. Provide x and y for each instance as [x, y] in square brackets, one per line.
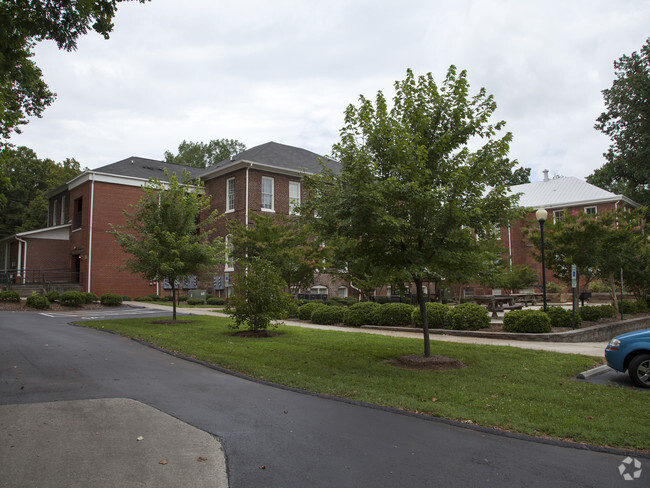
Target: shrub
[527, 321]
[436, 315]
[154, 298]
[36, 301]
[292, 308]
[182, 298]
[111, 299]
[215, 301]
[91, 297]
[168, 298]
[52, 296]
[126, 298]
[362, 313]
[468, 316]
[73, 299]
[328, 315]
[590, 313]
[305, 311]
[554, 288]
[140, 299]
[607, 311]
[9, 296]
[633, 307]
[561, 317]
[395, 314]
[195, 301]
[337, 301]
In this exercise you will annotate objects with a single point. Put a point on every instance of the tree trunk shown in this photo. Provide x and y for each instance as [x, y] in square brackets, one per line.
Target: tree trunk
[423, 314]
[612, 291]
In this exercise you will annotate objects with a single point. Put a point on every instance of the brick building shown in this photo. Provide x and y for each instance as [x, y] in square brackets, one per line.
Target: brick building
[556, 196]
[76, 245]
[265, 179]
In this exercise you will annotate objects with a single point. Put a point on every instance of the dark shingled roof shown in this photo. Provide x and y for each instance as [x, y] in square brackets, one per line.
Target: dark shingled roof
[280, 156]
[147, 168]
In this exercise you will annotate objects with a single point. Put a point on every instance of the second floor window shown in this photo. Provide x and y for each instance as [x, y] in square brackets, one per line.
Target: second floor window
[78, 212]
[294, 197]
[230, 195]
[267, 193]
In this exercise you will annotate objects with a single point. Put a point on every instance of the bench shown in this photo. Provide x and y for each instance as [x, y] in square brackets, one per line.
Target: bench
[516, 306]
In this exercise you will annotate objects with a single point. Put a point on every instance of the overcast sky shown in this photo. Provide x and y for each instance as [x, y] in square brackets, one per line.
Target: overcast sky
[285, 70]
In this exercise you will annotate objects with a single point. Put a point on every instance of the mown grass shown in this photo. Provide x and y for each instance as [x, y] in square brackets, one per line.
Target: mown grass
[518, 390]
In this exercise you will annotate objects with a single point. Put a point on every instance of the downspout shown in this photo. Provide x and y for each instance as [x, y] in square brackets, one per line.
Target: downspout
[90, 229]
[509, 246]
[21, 258]
[247, 169]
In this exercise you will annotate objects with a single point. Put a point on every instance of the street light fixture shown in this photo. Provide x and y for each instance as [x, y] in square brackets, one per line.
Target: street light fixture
[541, 216]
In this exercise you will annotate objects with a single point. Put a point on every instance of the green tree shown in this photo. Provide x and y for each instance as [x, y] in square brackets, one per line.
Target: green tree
[259, 296]
[164, 235]
[627, 123]
[283, 241]
[411, 193]
[519, 277]
[23, 23]
[201, 155]
[24, 178]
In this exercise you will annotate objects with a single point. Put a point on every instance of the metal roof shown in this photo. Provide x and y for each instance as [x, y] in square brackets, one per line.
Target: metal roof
[563, 192]
[146, 168]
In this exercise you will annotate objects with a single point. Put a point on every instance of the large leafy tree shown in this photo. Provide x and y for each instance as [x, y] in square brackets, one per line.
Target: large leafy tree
[284, 242]
[627, 122]
[23, 23]
[165, 236]
[24, 178]
[412, 195]
[202, 155]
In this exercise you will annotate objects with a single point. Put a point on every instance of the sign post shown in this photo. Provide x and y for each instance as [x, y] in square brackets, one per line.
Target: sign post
[573, 286]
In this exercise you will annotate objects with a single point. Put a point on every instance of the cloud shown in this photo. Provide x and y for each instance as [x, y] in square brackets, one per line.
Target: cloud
[285, 71]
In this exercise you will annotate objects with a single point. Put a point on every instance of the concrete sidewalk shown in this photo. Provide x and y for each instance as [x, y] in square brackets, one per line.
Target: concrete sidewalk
[104, 443]
[587, 348]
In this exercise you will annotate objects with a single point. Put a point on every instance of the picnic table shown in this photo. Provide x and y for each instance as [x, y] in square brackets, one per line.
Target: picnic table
[497, 303]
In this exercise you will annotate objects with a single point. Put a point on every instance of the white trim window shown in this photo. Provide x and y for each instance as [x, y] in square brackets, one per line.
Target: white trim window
[591, 210]
[557, 215]
[230, 195]
[294, 197]
[230, 264]
[343, 291]
[267, 194]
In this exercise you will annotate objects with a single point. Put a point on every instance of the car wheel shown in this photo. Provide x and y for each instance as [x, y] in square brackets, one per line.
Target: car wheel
[639, 370]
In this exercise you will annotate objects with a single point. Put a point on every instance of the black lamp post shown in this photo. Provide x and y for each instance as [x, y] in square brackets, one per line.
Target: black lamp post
[541, 216]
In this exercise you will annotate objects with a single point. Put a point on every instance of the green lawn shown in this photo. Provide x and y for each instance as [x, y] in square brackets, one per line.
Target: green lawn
[508, 388]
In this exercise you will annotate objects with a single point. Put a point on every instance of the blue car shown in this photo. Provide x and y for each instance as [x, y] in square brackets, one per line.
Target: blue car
[631, 352]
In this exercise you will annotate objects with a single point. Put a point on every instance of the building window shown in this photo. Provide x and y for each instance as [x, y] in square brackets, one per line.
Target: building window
[318, 290]
[78, 212]
[267, 193]
[591, 210]
[557, 215]
[64, 211]
[230, 264]
[468, 292]
[230, 195]
[294, 197]
[343, 292]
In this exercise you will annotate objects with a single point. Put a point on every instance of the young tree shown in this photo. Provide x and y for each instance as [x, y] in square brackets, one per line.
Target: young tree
[201, 155]
[283, 241]
[165, 235]
[411, 194]
[23, 23]
[259, 296]
[627, 122]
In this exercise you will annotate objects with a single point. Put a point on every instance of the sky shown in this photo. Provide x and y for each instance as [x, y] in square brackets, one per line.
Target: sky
[285, 71]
